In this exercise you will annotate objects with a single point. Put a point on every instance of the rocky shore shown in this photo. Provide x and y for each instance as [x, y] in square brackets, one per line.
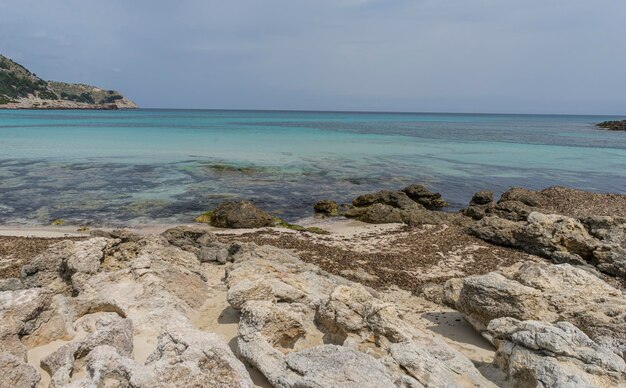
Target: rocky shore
[526, 291]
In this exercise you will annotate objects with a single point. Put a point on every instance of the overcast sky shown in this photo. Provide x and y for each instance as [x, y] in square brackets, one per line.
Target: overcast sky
[530, 56]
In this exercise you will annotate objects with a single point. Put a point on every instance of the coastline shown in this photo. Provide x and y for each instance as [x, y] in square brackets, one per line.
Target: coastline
[439, 283]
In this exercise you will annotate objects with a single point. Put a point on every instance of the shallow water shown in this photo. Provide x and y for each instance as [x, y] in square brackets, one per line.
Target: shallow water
[162, 166]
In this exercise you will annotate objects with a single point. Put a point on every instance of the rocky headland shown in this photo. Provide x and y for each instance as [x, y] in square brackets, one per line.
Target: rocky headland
[526, 291]
[613, 125]
[22, 89]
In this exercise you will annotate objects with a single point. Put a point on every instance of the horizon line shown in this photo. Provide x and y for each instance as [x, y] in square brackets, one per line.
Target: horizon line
[382, 112]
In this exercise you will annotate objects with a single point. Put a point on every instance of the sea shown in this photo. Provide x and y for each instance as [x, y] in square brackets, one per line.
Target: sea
[160, 166]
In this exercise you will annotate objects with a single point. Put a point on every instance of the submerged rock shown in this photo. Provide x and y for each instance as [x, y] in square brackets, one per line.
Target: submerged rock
[240, 214]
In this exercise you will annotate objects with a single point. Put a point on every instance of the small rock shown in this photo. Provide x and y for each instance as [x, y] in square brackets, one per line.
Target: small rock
[327, 207]
[482, 198]
[425, 197]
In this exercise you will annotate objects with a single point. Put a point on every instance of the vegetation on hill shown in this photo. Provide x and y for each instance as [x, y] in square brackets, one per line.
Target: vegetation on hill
[17, 84]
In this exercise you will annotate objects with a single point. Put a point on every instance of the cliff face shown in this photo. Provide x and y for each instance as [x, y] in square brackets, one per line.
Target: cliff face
[21, 89]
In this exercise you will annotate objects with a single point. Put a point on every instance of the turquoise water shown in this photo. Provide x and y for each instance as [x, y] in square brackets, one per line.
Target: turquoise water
[108, 167]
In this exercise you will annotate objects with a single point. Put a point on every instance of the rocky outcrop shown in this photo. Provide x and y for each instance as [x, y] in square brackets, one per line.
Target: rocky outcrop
[539, 354]
[326, 207]
[121, 309]
[302, 327]
[613, 125]
[240, 214]
[516, 204]
[96, 299]
[386, 206]
[425, 197]
[548, 293]
[597, 241]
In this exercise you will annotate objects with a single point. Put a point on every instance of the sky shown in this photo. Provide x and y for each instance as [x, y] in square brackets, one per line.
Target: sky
[499, 56]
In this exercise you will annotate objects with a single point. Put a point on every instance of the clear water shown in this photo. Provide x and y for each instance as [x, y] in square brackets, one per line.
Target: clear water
[161, 166]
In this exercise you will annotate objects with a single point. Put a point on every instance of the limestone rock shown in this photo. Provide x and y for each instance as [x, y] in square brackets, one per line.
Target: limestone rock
[19, 312]
[549, 293]
[432, 292]
[599, 242]
[534, 353]
[336, 366]
[432, 367]
[11, 284]
[108, 329]
[183, 357]
[188, 238]
[193, 358]
[55, 267]
[286, 337]
[15, 373]
[245, 291]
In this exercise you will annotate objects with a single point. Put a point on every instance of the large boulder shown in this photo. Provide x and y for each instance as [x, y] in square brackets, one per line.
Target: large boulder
[337, 366]
[386, 206]
[549, 293]
[105, 329]
[396, 199]
[540, 354]
[240, 214]
[597, 241]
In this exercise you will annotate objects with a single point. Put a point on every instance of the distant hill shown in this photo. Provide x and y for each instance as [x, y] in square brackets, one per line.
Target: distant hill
[21, 89]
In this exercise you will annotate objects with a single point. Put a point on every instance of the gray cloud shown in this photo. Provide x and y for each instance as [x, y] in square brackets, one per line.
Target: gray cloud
[423, 55]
